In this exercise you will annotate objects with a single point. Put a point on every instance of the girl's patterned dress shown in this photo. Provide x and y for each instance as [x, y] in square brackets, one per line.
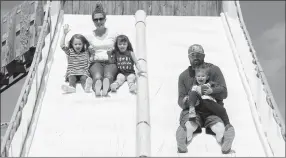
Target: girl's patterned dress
[78, 63]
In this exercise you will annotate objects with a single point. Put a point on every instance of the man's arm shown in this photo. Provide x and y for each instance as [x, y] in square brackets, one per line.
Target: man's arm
[219, 91]
[183, 92]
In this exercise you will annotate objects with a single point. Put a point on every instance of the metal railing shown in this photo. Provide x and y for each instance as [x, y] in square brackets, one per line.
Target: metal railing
[245, 85]
[260, 74]
[143, 140]
[42, 83]
[22, 100]
[267, 117]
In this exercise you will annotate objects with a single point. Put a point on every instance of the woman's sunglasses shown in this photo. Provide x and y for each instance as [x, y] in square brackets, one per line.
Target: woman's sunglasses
[98, 19]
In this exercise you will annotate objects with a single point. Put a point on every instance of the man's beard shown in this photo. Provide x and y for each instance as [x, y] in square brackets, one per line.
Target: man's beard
[197, 63]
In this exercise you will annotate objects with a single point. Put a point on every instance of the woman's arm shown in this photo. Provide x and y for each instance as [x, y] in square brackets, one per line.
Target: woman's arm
[91, 53]
[111, 56]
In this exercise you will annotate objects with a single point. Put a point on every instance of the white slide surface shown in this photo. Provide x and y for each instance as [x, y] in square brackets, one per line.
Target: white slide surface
[81, 125]
[168, 39]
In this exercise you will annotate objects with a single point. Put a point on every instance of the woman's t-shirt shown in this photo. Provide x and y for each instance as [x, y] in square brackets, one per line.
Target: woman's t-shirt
[102, 44]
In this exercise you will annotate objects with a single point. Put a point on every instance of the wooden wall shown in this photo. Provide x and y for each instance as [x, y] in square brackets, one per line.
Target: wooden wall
[166, 8]
[19, 27]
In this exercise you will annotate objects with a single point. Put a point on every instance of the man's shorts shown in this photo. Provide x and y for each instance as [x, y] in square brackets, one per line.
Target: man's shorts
[202, 120]
[205, 121]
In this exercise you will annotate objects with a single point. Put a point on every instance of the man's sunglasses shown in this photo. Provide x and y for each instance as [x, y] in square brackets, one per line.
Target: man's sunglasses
[197, 55]
[99, 19]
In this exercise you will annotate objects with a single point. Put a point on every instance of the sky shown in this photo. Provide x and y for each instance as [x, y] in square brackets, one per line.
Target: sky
[265, 22]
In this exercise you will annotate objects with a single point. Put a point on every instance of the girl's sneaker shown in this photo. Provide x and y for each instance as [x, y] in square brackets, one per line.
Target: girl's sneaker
[132, 87]
[68, 89]
[106, 85]
[97, 87]
[88, 84]
[114, 87]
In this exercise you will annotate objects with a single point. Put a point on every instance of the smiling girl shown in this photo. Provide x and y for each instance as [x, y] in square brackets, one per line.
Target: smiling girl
[78, 62]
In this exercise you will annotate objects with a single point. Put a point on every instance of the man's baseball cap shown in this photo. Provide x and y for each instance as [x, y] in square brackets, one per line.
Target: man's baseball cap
[196, 48]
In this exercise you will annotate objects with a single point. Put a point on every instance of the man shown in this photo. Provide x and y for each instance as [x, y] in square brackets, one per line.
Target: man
[204, 118]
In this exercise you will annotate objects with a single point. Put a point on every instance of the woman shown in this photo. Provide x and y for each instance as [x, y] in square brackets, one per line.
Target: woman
[101, 42]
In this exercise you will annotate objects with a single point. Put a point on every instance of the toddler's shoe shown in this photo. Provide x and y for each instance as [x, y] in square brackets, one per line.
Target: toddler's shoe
[88, 85]
[114, 87]
[68, 89]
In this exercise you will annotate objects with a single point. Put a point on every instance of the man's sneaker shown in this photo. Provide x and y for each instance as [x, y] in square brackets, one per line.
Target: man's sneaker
[106, 85]
[182, 151]
[68, 89]
[181, 138]
[114, 87]
[87, 85]
[228, 138]
[97, 87]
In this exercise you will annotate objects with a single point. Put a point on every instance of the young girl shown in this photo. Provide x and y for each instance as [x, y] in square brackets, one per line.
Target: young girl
[78, 62]
[125, 59]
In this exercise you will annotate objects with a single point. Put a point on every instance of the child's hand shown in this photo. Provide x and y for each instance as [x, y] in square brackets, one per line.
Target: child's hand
[91, 58]
[208, 85]
[66, 28]
[199, 90]
[109, 52]
[91, 49]
[140, 72]
[208, 90]
[95, 58]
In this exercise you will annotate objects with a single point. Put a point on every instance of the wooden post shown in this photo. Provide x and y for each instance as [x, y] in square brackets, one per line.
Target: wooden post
[143, 143]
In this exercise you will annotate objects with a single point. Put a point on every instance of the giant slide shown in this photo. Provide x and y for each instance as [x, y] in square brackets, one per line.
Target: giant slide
[81, 125]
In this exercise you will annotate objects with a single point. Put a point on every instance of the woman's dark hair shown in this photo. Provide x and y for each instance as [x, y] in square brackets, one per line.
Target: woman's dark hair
[122, 38]
[98, 10]
[84, 41]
